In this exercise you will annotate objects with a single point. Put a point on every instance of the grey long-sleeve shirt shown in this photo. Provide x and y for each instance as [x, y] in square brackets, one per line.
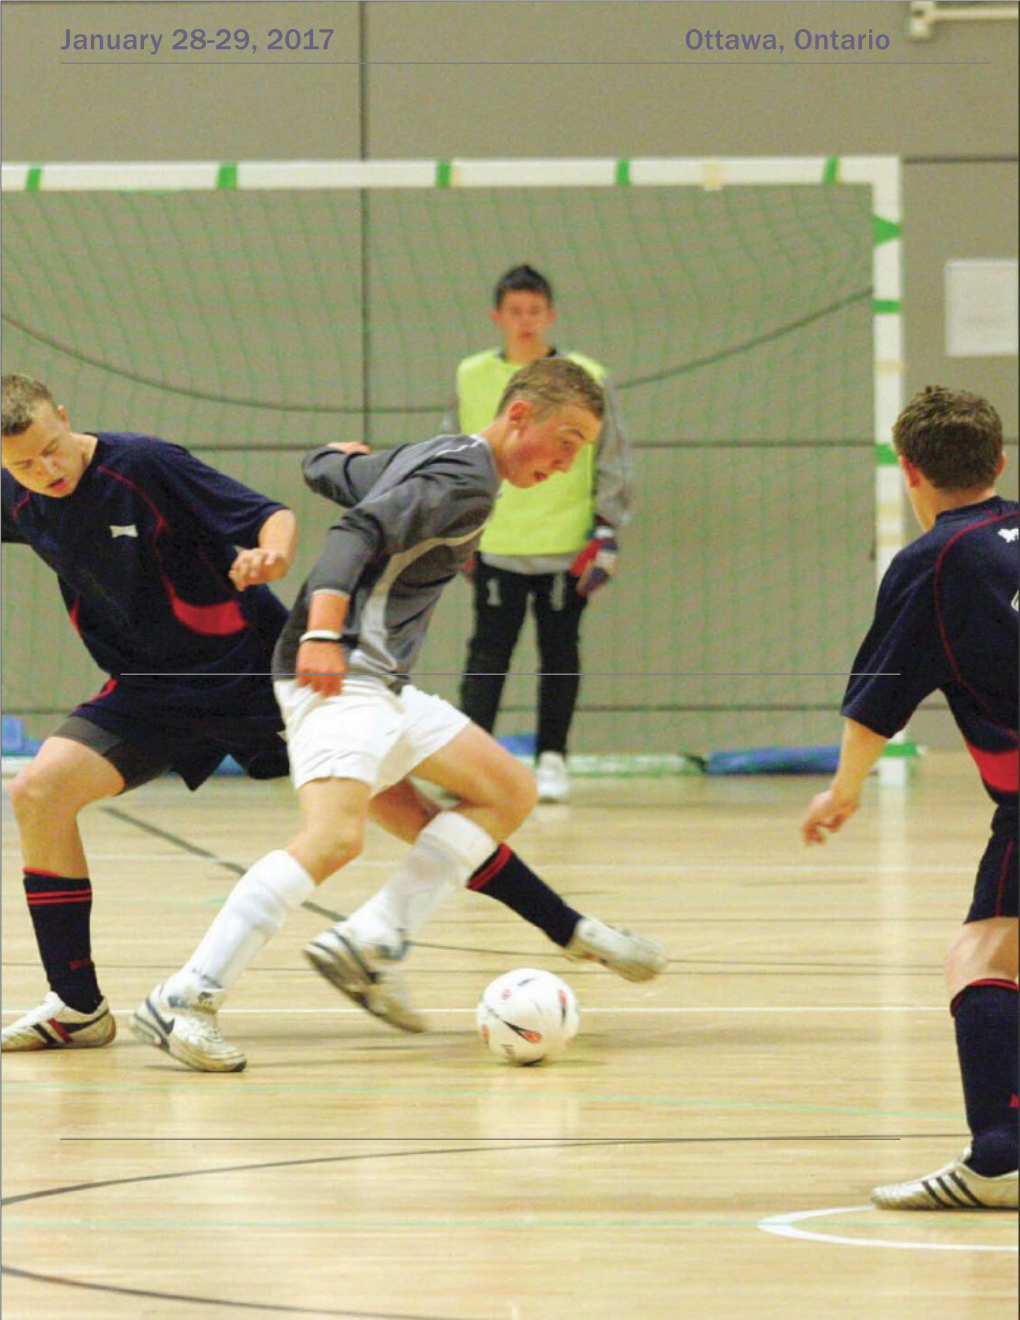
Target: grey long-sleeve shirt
[415, 515]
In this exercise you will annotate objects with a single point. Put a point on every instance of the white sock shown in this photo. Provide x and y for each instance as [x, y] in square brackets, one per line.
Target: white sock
[447, 851]
[255, 910]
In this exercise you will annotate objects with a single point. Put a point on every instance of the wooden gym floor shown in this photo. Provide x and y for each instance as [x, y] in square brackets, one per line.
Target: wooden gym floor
[704, 1150]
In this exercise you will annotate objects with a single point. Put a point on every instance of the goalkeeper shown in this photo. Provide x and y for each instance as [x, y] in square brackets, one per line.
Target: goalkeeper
[553, 546]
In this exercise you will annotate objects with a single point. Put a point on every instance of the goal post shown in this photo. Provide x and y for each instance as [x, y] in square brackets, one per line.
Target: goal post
[748, 311]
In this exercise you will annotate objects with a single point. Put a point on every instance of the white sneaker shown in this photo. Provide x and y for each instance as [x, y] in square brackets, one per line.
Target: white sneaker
[54, 1026]
[634, 957]
[186, 1027]
[552, 778]
[361, 973]
[955, 1187]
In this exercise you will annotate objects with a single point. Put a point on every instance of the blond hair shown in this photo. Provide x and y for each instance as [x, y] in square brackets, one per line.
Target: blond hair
[555, 382]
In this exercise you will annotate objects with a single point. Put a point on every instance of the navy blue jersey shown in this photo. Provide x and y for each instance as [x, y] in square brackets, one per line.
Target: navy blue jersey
[946, 618]
[142, 550]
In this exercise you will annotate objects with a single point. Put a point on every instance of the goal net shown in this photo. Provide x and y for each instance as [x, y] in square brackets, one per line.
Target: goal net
[747, 311]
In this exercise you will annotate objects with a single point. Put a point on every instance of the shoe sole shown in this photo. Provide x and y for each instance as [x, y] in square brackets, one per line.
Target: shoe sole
[150, 1033]
[348, 979]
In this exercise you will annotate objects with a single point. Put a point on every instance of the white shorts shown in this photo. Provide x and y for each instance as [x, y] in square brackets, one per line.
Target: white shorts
[368, 732]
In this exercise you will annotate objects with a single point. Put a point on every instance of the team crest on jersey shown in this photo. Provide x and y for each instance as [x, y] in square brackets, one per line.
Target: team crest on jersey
[1009, 533]
[129, 529]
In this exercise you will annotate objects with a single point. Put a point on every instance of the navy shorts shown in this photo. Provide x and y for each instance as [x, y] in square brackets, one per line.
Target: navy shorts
[995, 890]
[143, 737]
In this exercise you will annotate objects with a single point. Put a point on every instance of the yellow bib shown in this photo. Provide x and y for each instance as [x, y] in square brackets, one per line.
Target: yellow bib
[551, 519]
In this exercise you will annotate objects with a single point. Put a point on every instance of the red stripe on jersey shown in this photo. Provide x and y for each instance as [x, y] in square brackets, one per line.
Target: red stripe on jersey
[999, 770]
[209, 620]
[212, 620]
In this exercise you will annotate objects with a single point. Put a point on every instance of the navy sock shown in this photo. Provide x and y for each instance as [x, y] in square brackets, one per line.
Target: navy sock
[985, 1014]
[504, 877]
[60, 908]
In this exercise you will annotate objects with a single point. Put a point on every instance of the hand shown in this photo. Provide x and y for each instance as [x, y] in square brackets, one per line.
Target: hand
[596, 563]
[321, 666]
[349, 446]
[253, 567]
[827, 811]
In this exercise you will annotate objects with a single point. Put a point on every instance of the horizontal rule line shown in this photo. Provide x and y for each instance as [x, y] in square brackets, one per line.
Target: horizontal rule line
[548, 64]
[539, 673]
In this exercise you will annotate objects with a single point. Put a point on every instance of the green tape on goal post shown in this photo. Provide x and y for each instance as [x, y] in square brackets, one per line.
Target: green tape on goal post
[226, 176]
[621, 176]
[33, 180]
[830, 171]
[885, 454]
[444, 174]
[884, 230]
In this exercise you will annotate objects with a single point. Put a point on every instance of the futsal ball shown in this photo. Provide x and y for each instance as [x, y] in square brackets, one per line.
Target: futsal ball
[527, 1016]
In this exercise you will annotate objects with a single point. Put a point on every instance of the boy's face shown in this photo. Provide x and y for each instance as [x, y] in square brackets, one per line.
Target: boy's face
[45, 458]
[536, 449]
[524, 320]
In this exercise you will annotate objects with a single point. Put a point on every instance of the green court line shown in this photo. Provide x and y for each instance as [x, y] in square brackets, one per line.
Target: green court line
[901, 751]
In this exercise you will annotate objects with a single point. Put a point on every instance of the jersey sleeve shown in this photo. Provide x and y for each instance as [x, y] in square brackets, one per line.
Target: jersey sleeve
[229, 508]
[444, 498]
[902, 659]
[614, 471]
[346, 479]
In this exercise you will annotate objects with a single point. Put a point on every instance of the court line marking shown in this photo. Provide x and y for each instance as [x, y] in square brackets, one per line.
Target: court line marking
[786, 1226]
[649, 1009]
[671, 869]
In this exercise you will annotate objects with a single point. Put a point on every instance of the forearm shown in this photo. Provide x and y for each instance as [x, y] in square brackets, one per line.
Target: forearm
[279, 534]
[614, 470]
[860, 749]
[327, 611]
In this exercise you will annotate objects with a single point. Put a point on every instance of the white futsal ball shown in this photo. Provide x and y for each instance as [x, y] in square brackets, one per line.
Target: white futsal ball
[527, 1016]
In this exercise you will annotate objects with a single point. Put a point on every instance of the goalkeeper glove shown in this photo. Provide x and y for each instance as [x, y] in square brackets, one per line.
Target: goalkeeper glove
[596, 563]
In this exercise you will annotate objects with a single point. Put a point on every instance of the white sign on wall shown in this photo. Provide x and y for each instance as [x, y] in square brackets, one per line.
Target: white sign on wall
[981, 308]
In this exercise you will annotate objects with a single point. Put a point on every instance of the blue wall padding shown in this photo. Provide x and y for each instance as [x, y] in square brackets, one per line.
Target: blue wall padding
[775, 761]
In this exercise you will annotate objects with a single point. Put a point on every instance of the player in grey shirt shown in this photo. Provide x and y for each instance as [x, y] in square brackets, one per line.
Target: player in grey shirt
[357, 727]
[415, 516]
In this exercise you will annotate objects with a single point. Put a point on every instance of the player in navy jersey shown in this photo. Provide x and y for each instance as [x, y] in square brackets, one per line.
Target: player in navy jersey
[357, 727]
[143, 539]
[946, 618]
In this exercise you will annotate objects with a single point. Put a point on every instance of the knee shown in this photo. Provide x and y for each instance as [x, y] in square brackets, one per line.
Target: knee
[518, 798]
[489, 656]
[325, 851]
[36, 793]
[979, 951]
